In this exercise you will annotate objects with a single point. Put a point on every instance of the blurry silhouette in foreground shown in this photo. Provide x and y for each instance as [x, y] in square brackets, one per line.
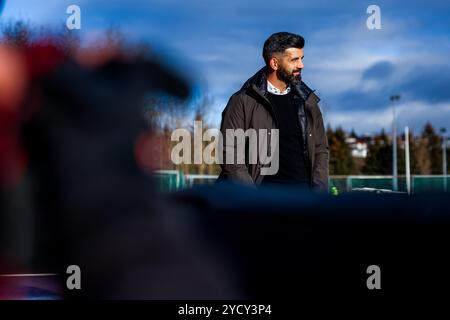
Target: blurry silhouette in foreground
[79, 119]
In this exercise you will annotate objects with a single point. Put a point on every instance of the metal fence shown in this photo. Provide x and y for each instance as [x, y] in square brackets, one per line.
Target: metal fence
[375, 182]
[431, 183]
[171, 180]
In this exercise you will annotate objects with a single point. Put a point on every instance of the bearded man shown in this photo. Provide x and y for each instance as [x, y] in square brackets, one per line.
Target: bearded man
[276, 98]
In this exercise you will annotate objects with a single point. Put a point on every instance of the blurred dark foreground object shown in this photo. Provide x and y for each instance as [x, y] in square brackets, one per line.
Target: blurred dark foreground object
[88, 203]
[91, 205]
[282, 243]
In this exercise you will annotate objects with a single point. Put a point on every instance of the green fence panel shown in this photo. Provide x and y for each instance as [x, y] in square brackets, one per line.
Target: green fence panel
[430, 184]
[171, 180]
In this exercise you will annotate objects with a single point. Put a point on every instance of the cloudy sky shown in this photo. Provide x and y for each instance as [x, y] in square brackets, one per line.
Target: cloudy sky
[353, 69]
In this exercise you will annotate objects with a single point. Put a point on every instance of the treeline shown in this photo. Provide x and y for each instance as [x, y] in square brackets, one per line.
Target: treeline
[425, 148]
[164, 115]
[425, 153]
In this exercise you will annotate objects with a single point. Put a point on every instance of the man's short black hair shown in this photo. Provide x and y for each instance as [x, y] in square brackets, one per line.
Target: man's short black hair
[280, 41]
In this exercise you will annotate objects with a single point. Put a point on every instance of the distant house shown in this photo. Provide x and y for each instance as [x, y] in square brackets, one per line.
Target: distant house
[357, 146]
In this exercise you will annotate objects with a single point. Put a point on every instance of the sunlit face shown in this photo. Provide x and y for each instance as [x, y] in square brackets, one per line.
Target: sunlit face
[289, 65]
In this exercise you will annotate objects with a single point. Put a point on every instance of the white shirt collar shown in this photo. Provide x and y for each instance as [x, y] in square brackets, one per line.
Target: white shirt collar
[272, 89]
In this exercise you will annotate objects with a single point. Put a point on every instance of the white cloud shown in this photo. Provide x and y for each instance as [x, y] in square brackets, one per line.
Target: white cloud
[414, 115]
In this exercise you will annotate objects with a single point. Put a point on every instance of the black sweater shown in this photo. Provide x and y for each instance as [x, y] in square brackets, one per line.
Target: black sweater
[293, 169]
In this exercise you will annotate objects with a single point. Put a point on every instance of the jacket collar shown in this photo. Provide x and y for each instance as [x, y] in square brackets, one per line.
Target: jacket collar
[258, 82]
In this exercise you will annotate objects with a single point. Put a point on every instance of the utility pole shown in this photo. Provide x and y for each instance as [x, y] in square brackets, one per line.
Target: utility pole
[394, 144]
[444, 157]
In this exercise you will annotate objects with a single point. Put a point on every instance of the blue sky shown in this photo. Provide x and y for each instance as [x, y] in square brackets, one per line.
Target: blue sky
[353, 69]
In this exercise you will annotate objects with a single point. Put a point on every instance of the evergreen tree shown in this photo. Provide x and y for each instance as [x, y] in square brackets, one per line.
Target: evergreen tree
[341, 160]
[379, 157]
[433, 148]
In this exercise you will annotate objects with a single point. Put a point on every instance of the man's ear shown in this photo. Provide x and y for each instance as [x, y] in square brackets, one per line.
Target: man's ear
[273, 62]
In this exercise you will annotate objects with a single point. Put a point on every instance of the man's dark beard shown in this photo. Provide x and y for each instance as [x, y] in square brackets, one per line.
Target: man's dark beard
[288, 78]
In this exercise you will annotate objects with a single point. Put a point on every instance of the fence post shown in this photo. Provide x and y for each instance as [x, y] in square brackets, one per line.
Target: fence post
[407, 169]
[348, 183]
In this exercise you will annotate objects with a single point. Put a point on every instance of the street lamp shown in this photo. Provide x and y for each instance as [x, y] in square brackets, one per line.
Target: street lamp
[394, 98]
[444, 157]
